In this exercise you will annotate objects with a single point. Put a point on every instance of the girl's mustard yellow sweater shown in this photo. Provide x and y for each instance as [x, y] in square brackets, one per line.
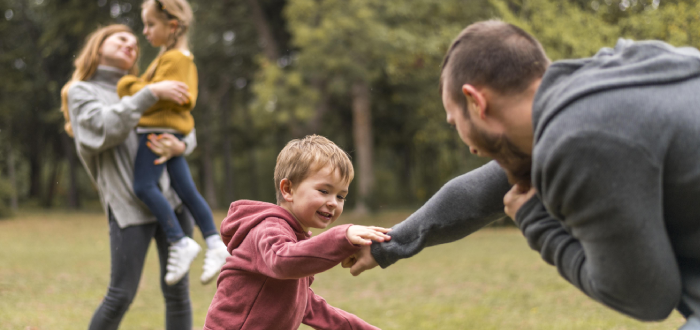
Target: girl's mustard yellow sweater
[172, 65]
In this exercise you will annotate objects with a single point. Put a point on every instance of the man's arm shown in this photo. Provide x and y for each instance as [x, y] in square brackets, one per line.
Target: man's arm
[611, 241]
[461, 207]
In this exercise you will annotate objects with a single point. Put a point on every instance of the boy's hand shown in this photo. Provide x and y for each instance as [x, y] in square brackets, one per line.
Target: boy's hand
[362, 235]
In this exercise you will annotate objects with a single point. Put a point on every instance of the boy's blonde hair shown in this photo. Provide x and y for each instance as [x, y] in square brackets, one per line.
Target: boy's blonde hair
[302, 156]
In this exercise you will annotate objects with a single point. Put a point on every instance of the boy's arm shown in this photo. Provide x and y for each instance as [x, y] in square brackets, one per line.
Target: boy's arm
[320, 315]
[284, 258]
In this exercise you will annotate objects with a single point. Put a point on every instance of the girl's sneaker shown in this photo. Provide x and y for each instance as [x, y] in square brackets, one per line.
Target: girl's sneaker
[213, 261]
[180, 256]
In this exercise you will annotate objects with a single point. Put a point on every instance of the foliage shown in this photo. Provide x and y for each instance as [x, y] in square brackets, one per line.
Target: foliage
[252, 103]
[397, 48]
[6, 192]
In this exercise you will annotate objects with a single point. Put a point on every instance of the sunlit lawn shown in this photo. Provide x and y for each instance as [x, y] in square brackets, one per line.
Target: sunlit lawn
[54, 270]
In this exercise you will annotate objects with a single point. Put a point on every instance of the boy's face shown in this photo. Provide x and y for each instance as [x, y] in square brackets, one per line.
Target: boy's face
[318, 200]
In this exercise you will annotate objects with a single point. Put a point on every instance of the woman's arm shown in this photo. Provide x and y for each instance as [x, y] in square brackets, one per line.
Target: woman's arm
[99, 126]
[171, 66]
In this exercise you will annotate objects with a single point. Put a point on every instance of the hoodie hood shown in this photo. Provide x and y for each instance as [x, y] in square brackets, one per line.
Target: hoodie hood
[244, 215]
[628, 64]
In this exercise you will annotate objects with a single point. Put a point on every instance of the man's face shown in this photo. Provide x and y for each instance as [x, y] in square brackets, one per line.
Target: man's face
[485, 143]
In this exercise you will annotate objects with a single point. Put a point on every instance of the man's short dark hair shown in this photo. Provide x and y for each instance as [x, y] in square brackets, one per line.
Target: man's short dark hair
[492, 54]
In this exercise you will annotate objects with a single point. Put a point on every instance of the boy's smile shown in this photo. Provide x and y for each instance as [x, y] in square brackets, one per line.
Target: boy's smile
[318, 200]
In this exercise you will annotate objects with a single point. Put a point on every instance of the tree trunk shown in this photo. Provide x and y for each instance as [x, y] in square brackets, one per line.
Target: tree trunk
[69, 151]
[207, 170]
[253, 174]
[321, 109]
[262, 25]
[14, 204]
[229, 192]
[52, 183]
[362, 137]
[35, 174]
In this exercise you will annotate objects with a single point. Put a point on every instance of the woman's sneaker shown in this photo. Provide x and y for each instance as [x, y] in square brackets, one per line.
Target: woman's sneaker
[214, 259]
[180, 256]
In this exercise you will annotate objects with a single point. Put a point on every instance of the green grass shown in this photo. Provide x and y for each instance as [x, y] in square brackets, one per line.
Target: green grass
[54, 270]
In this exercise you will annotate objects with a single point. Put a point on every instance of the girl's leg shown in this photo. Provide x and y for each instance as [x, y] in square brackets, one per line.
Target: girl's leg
[128, 248]
[181, 181]
[178, 310]
[146, 176]
[183, 249]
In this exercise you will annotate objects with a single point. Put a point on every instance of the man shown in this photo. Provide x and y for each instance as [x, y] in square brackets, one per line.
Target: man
[611, 147]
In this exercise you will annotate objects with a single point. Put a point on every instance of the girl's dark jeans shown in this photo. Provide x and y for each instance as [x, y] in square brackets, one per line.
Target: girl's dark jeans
[146, 176]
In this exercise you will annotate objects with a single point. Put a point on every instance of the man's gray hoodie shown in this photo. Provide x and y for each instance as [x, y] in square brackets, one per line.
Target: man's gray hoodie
[616, 163]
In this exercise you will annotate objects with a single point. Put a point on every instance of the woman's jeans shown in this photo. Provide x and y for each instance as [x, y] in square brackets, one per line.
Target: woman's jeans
[128, 251]
[146, 176]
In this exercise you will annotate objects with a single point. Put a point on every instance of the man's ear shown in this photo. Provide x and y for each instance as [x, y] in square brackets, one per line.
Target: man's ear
[286, 190]
[476, 97]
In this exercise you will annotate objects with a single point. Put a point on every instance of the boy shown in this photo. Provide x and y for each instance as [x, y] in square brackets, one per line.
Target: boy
[265, 282]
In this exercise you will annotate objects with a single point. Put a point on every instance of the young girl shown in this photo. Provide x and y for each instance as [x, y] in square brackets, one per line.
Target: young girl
[166, 23]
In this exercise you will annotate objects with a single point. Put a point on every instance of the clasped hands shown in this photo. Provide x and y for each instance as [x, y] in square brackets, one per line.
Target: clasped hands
[363, 260]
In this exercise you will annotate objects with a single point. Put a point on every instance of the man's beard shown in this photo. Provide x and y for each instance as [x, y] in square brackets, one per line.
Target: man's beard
[516, 163]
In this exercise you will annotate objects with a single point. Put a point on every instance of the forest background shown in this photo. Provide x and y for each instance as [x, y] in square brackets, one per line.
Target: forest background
[363, 73]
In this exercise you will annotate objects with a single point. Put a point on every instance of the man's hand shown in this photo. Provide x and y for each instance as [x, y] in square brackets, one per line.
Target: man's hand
[166, 146]
[515, 198]
[359, 262]
[363, 235]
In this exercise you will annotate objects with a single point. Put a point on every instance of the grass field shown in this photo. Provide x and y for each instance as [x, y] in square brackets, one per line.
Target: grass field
[54, 270]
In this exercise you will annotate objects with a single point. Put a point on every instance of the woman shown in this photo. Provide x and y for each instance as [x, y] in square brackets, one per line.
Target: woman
[103, 128]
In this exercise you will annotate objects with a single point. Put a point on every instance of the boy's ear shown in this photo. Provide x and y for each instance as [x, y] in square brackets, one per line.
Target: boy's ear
[286, 190]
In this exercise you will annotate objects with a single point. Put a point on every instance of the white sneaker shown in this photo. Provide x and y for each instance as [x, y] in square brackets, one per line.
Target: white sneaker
[213, 261]
[180, 256]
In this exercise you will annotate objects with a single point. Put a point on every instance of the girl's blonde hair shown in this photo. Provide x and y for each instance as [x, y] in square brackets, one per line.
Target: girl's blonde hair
[166, 10]
[86, 64]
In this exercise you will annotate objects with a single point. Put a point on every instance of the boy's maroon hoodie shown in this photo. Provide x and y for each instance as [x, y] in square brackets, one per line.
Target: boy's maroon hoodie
[265, 282]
